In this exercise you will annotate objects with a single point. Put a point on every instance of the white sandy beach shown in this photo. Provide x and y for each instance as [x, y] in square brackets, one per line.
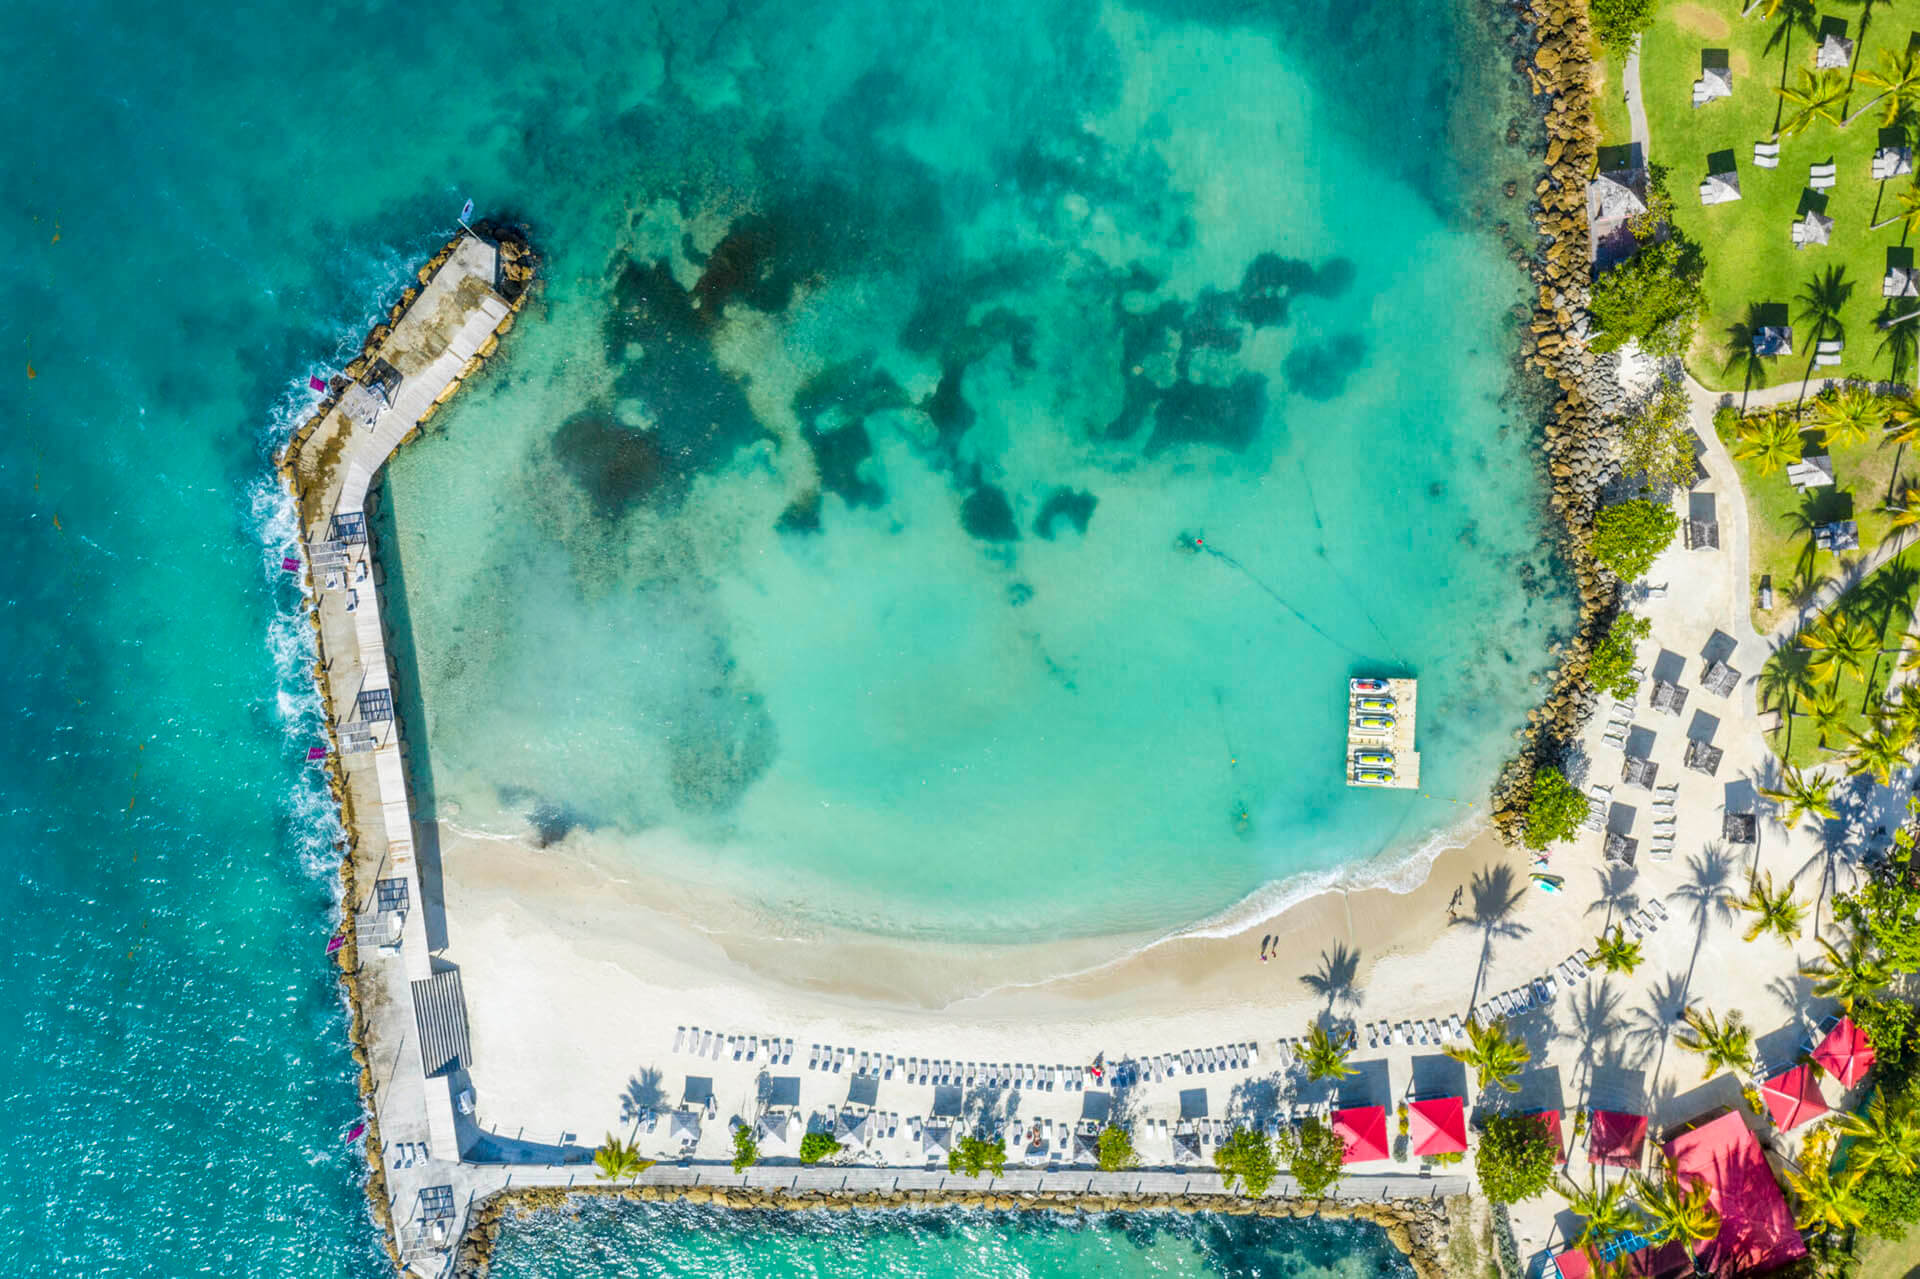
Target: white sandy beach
[578, 981]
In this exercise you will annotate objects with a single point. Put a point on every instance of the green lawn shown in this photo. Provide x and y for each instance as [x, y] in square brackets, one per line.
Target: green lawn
[1885, 600]
[1898, 1259]
[1780, 520]
[1609, 103]
[1751, 261]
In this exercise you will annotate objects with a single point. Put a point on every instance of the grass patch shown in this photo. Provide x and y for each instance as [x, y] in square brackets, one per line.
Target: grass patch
[1609, 101]
[1780, 520]
[1751, 261]
[1885, 601]
[1890, 1258]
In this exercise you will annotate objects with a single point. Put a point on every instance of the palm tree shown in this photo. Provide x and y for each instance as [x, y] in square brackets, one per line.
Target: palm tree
[1898, 342]
[1824, 1201]
[1906, 203]
[1828, 713]
[1899, 83]
[1887, 1136]
[1324, 1056]
[1603, 1205]
[1723, 1044]
[1849, 416]
[1814, 100]
[1824, 299]
[1847, 976]
[1494, 1056]
[1771, 441]
[1774, 912]
[1903, 512]
[1613, 952]
[1877, 752]
[1802, 795]
[616, 1159]
[1677, 1210]
[1839, 643]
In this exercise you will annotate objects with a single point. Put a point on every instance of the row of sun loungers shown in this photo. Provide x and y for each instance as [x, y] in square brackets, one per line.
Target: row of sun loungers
[718, 1046]
[1199, 1061]
[1665, 816]
[1382, 1034]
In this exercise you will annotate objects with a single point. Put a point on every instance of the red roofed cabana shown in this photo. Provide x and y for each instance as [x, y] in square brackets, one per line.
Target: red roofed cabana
[1550, 1120]
[1364, 1129]
[1793, 1097]
[1616, 1137]
[1756, 1227]
[1438, 1125]
[1846, 1053]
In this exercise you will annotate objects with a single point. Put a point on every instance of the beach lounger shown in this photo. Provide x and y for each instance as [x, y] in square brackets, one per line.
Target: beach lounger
[786, 1053]
[1373, 1040]
[1455, 1027]
[706, 1038]
[1433, 1030]
[1253, 1052]
[1283, 1049]
[679, 1037]
[1659, 908]
[719, 1046]
[1586, 960]
[1648, 922]
[1632, 926]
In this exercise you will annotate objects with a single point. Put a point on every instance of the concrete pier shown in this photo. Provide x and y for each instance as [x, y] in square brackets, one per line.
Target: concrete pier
[411, 1021]
[1365, 742]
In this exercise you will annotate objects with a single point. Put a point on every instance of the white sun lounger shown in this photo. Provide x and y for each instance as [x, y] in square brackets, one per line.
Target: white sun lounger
[1659, 908]
[679, 1037]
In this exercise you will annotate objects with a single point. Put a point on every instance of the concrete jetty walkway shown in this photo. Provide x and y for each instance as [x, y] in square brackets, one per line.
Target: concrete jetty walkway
[414, 1022]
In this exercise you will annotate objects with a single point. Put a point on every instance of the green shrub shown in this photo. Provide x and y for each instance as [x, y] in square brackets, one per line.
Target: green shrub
[1248, 1156]
[1556, 809]
[1628, 536]
[1655, 440]
[1653, 297]
[1116, 1149]
[1315, 1156]
[973, 1155]
[1611, 667]
[1514, 1159]
[816, 1146]
[1617, 22]
[746, 1151]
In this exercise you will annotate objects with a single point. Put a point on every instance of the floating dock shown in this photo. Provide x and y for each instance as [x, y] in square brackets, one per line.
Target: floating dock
[1374, 733]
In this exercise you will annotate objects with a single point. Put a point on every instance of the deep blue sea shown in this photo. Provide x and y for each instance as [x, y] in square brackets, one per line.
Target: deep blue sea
[931, 319]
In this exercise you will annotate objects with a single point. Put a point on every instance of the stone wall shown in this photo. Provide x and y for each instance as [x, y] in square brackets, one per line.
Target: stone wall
[1419, 1228]
[1581, 388]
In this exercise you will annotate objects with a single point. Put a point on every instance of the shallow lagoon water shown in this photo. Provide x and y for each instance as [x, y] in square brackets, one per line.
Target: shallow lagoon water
[213, 203]
[948, 493]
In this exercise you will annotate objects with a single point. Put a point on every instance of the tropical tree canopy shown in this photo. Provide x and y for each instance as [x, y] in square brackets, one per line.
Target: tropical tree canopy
[746, 1151]
[1824, 1200]
[1847, 976]
[1629, 535]
[1886, 1137]
[1655, 441]
[1898, 79]
[1314, 1154]
[1654, 297]
[1676, 1209]
[1839, 643]
[1849, 416]
[1774, 912]
[1116, 1149]
[1722, 1044]
[1555, 811]
[1800, 795]
[1815, 99]
[1611, 666]
[1604, 1207]
[1514, 1158]
[1771, 441]
[1247, 1155]
[1325, 1057]
[1492, 1054]
[616, 1160]
[1615, 952]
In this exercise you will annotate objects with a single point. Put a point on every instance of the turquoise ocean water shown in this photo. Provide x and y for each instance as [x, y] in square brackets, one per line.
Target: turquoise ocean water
[957, 231]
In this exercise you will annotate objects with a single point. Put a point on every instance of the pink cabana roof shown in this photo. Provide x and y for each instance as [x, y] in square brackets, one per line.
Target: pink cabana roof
[1364, 1129]
[1846, 1053]
[1756, 1228]
[1550, 1120]
[1438, 1125]
[1573, 1264]
[1615, 1137]
[1793, 1097]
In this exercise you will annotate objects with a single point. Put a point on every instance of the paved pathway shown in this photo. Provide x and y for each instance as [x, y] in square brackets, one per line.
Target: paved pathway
[1636, 109]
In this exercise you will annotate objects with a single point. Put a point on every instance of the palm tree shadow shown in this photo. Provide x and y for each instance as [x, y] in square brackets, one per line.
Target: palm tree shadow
[1822, 302]
[1335, 979]
[1597, 1021]
[1496, 893]
[1614, 894]
[1740, 352]
[1653, 1021]
[642, 1095]
[1709, 874]
[1792, 13]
